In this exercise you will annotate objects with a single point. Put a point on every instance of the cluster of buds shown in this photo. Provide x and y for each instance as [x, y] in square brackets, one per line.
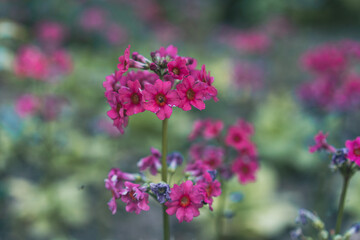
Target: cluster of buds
[306, 217]
[184, 198]
[160, 84]
[206, 156]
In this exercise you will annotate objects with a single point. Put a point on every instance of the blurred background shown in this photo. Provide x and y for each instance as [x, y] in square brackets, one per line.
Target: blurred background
[288, 67]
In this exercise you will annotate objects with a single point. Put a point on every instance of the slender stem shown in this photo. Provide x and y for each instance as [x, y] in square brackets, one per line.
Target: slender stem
[342, 203]
[166, 225]
[219, 221]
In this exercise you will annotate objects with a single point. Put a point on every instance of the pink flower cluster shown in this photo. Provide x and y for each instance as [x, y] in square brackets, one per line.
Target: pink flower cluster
[208, 157]
[165, 82]
[183, 200]
[351, 152]
[96, 20]
[48, 107]
[31, 62]
[335, 84]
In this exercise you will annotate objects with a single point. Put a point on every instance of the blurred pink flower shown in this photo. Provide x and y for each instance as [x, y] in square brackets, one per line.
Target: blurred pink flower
[135, 197]
[321, 144]
[51, 33]
[248, 76]
[93, 19]
[251, 42]
[151, 162]
[245, 169]
[116, 34]
[27, 105]
[209, 188]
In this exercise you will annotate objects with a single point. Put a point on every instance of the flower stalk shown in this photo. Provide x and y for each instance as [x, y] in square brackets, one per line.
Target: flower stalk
[342, 203]
[166, 225]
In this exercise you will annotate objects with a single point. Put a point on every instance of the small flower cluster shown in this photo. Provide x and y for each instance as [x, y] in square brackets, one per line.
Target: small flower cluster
[205, 156]
[165, 82]
[48, 107]
[341, 157]
[335, 85]
[183, 199]
[306, 217]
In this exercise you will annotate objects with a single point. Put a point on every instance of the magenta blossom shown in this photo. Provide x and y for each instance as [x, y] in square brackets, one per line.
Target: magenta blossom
[321, 144]
[197, 130]
[213, 129]
[186, 200]
[51, 33]
[197, 168]
[170, 51]
[116, 179]
[132, 98]
[152, 162]
[113, 82]
[93, 19]
[124, 61]
[353, 147]
[236, 137]
[135, 197]
[177, 68]
[117, 112]
[209, 189]
[27, 105]
[205, 77]
[245, 169]
[213, 156]
[191, 93]
[160, 99]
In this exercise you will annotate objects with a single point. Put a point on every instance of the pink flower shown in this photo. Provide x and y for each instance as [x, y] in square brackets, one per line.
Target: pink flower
[31, 62]
[112, 205]
[197, 168]
[116, 34]
[114, 82]
[135, 197]
[27, 105]
[321, 144]
[248, 149]
[209, 189]
[51, 33]
[93, 19]
[185, 201]
[116, 179]
[245, 169]
[236, 137]
[160, 99]
[117, 111]
[177, 68]
[170, 51]
[353, 147]
[132, 98]
[245, 126]
[198, 128]
[124, 61]
[213, 156]
[191, 93]
[61, 63]
[196, 151]
[211, 91]
[152, 162]
[213, 129]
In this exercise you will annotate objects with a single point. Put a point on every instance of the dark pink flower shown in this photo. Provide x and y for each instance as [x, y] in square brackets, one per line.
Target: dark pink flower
[170, 51]
[236, 137]
[213, 156]
[185, 201]
[114, 82]
[160, 99]
[197, 168]
[213, 129]
[353, 147]
[116, 179]
[245, 169]
[27, 105]
[132, 98]
[177, 68]
[135, 197]
[245, 126]
[197, 130]
[117, 111]
[196, 151]
[152, 162]
[112, 205]
[321, 144]
[211, 91]
[251, 42]
[31, 62]
[209, 189]
[248, 149]
[124, 61]
[191, 93]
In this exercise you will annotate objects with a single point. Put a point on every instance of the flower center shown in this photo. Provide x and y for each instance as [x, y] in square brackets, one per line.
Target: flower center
[190, 94]
[118, 107]
[175, 71]
[357, 151]
[132, 195]
[185, 201]
[135, 98]
[245, 170]
[208, 190]
[237, 138]
[162, 190]
[160, 99]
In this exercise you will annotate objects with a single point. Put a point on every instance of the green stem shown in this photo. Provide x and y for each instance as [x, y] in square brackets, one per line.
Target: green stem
[342, 203]
[219, 221]
[166, 225]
